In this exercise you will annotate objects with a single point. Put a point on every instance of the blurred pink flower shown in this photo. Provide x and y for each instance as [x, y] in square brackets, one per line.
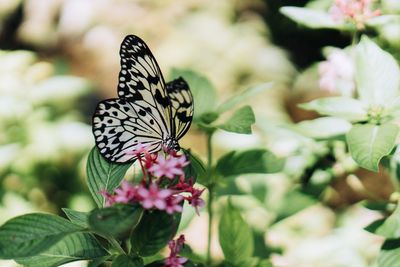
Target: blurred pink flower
[195, 201]
[174, 204]
[168, 167]
[175, 261]
[153, 197]
[357, 11]
[138, 149]
[109, 198]
[175, 247]
[194, 197]
[337, 73]
[126, 193]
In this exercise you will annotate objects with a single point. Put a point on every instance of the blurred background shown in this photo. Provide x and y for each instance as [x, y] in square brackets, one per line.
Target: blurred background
[58, 58]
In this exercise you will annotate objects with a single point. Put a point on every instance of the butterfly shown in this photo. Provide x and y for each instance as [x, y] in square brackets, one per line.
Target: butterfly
[148, 111]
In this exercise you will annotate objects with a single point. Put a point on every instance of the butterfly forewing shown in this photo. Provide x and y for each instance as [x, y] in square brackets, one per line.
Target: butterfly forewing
[181, 106]
[141, 81]
[118, 126]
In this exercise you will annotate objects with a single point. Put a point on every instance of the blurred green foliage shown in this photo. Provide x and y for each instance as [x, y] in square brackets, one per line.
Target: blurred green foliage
[41, 142]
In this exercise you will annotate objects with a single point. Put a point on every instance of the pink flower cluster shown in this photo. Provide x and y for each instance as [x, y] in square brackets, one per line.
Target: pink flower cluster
[357, 11]
[175, 247]
[163, 185]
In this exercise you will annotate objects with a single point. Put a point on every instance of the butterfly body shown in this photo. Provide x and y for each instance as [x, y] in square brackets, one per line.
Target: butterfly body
[148, 111]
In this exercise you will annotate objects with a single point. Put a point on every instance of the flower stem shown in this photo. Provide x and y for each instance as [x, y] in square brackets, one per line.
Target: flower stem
[210, 219]
[355, 38]
[393, 173]
[210, 187]
[116, 245]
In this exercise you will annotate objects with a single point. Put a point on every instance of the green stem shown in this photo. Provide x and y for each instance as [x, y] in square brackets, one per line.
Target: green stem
[210, 187]
[355, 38]
[210, 219]
[393, 174]
[116, 245]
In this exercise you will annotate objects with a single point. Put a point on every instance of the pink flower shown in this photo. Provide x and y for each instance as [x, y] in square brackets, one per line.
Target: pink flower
[195, 200]
[109, 198]
[149, 160]
[337, 73]
[126, 193]
[174, 204]
[153, 197]
[175, 247]
[138, 149]
[356, 11]
[168, 167]
[175, 261]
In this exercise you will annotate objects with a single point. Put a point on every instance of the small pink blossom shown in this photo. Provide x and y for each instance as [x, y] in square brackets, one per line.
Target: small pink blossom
[149, 160]
[175, 261]
[109, 198]
[175, 247]
[138, 149]
[153, 197]
[337, 73]
[168, 167]
[174, 204]
[195, 201]
[126, 193]
[357, 11]
[194, 194]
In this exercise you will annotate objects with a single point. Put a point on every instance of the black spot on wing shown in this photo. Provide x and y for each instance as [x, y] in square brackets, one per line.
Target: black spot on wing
[164, 101]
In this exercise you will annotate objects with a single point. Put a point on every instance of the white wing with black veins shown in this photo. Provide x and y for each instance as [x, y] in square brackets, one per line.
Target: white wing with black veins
[181, 106]
[147, 111]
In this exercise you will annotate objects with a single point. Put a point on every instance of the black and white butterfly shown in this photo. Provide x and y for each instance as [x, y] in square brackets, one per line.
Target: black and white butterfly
[148, 111]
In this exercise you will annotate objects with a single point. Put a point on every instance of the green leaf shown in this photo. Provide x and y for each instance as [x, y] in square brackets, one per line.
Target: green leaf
[204, 93]
[382, 20]
[103, 175]
[239, 98]
[162, 264]
[322, 128]
[265, 263]
[240, 121]
[389, 227]
[98, 261]
[369, 143]
[342, 107]
[116, 220]
[249, 262]
[77, 217]
[73, 247]
[249, 161]
[314, 19]
[127, 261]
[375, 205]
[390, 253]
[196, 168]
[377, 74]
[235, 236]
[30, 234]
[153, 232]
[293, 202]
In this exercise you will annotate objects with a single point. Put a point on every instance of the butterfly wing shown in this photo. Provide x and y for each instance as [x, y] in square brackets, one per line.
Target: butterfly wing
[141, 81]
[119, 125]
[181, 106]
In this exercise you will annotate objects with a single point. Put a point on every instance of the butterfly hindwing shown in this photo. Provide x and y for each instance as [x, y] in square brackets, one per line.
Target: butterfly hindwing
[141, 80]
[181, 105]
[119, 125]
